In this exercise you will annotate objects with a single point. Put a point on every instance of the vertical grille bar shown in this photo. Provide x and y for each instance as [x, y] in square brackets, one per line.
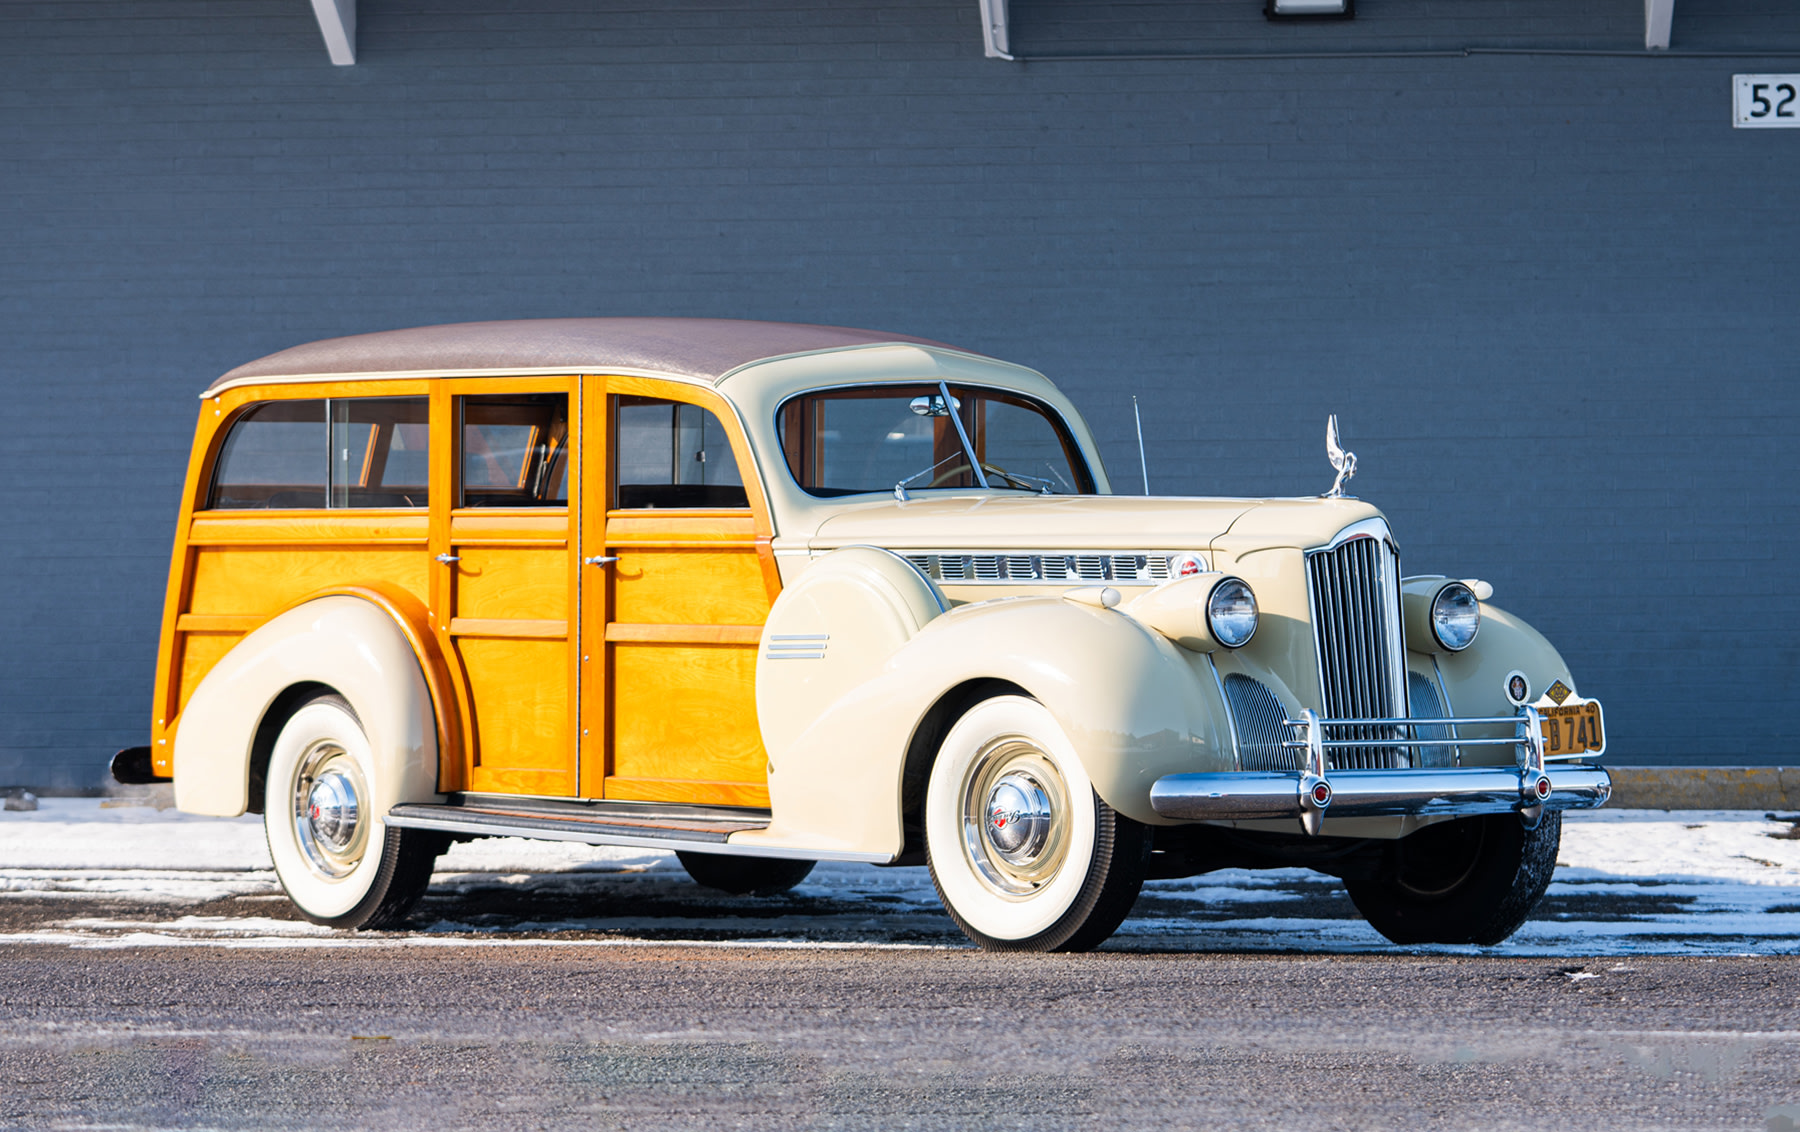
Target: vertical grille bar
[1356, 623]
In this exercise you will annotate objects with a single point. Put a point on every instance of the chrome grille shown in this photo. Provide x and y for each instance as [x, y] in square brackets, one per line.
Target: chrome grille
[999, 568]
[1355, 592]
[1427, 704]
[1257, 717]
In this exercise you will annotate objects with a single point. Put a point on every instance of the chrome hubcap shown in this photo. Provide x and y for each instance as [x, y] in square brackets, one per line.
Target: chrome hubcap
[1015, 817]
[1018, 811]
[329, 820]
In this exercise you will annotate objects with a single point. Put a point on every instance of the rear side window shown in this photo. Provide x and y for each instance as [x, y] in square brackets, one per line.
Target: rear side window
[672, 454]
[338, 453]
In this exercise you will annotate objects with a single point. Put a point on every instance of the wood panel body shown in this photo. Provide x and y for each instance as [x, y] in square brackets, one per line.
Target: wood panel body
[229, 571]
[502, 610]
[671, 628]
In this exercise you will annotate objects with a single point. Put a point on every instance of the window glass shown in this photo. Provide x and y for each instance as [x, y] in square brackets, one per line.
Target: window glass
[281, 454]
[515, 450]
[847, 441]
[273, 457]
[669, 454]
[378, 452]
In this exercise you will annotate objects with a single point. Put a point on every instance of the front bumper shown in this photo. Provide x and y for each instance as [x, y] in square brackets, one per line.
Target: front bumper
[1529, 789]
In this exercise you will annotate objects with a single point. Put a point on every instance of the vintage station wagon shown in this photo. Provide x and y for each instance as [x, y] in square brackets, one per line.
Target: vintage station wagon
[769, 594]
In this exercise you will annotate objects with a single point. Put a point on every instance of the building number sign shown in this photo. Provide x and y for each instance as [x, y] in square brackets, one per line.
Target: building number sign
[1766, 102]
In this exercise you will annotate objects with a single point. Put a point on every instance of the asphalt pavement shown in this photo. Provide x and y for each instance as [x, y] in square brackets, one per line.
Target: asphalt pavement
[152, 976]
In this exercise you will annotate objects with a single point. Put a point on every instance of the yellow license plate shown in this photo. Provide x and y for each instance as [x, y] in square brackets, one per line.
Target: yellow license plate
[1572, 729]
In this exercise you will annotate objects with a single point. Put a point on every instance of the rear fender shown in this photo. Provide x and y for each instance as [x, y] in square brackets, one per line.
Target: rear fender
[348, 644]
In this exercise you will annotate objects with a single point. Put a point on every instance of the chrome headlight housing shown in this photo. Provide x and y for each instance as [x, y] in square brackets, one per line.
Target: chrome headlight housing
[1455, 617]
[1231, 612]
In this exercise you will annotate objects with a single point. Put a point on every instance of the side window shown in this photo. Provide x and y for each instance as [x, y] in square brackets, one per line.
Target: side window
[378, 452]
[274, 456]
[371, 451]
[515, 450]
[671, 454]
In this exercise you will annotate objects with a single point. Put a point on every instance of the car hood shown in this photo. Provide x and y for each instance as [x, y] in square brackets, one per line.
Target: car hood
[1084, 522]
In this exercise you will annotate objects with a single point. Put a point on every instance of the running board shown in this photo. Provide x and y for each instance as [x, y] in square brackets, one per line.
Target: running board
[641, 825]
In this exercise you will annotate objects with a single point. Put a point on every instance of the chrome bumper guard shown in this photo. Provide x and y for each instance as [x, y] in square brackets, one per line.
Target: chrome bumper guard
[1528, 789]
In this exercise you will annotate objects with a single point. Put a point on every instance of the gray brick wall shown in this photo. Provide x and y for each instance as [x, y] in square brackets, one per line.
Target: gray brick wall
[1551, 297]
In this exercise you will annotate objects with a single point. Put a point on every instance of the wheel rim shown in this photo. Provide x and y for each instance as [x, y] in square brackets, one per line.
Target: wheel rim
[1015, 817]
[330, 812]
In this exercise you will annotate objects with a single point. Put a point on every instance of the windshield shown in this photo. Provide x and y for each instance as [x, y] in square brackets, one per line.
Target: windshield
[848, 441]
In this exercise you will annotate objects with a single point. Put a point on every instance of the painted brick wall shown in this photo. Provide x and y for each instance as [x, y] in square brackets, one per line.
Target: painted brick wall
[1551, 297]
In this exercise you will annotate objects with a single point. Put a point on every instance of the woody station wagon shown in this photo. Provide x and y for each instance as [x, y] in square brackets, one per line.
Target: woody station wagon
[769, 594]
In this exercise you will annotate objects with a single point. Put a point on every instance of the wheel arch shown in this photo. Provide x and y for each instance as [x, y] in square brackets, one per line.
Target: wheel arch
[1134, 708]
[351, 642]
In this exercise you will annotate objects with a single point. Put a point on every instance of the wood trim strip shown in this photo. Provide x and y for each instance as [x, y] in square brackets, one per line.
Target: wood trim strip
[507, 627]
[218, 622]
[624, 632]
[628, 543]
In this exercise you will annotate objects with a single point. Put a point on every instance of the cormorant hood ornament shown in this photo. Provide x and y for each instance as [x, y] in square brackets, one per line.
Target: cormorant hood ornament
[1344, 462]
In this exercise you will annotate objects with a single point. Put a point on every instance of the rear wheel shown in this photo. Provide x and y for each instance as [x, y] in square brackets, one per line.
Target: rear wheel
[744, 876]
[1024, 854]
[339, 862]
[1468, 881]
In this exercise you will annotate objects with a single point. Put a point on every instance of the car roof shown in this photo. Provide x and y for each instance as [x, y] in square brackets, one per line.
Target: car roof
[706, 349]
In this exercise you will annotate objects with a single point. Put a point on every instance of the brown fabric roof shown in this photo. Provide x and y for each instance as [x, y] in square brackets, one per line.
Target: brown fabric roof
[706, 348]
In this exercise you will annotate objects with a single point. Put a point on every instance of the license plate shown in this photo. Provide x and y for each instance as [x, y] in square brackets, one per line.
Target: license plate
[1573, 729]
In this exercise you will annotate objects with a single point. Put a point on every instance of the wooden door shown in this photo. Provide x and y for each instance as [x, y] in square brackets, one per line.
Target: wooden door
[673, 619]
[504, 575]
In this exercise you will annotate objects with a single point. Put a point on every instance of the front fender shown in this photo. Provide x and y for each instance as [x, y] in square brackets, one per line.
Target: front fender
[1475, 679]
[1132, 704]
[347, 643]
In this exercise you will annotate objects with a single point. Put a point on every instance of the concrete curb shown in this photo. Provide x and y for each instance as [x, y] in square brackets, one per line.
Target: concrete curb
[1705, 788]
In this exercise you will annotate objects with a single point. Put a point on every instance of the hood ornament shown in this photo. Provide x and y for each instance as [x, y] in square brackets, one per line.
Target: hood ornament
[1344, 462]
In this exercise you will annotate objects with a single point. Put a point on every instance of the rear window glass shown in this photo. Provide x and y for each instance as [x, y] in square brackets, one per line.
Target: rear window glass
[849, 441]
[355, 452]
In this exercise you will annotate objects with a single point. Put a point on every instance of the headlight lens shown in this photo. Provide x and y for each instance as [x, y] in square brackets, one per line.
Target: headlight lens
[1455, 616]
[1231, 612]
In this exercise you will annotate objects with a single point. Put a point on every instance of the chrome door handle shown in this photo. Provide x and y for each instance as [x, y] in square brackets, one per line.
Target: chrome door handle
[446, 559]
[600, 560]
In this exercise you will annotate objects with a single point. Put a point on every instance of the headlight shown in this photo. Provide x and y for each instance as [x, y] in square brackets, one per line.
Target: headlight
[1455, 616]
[1231, 613]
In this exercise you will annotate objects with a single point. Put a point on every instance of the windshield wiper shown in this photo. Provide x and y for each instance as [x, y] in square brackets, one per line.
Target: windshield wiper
[900, 488]
[962, 434]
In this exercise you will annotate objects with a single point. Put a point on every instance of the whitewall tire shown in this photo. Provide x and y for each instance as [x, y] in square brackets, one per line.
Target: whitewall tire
[1024, 854]
[339, 862]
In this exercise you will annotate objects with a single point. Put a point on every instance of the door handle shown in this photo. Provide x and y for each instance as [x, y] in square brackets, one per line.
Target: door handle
[446, 559]
[600, 560]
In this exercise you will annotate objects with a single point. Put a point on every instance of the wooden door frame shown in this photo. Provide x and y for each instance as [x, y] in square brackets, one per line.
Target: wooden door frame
[597, 538]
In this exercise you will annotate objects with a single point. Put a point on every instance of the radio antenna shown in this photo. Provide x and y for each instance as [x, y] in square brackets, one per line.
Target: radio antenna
[1143, 464]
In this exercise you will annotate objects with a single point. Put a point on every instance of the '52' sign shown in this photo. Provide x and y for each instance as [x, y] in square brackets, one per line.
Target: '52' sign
[1766, 101]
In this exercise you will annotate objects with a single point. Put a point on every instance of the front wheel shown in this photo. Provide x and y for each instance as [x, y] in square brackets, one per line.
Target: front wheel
[1024, 854]
[1468, 881]
[339, 862]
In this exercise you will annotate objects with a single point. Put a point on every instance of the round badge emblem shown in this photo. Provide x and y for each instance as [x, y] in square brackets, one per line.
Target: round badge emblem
[1518, 689]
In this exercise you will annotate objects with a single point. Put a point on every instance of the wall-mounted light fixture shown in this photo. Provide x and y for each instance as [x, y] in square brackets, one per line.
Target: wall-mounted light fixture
[1310, 9]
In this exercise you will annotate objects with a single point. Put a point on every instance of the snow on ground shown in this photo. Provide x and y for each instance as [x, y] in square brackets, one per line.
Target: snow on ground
[1630, 882]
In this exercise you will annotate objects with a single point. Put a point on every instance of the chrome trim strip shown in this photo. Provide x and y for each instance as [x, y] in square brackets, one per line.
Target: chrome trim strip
[456, 824]
[1375, 528]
